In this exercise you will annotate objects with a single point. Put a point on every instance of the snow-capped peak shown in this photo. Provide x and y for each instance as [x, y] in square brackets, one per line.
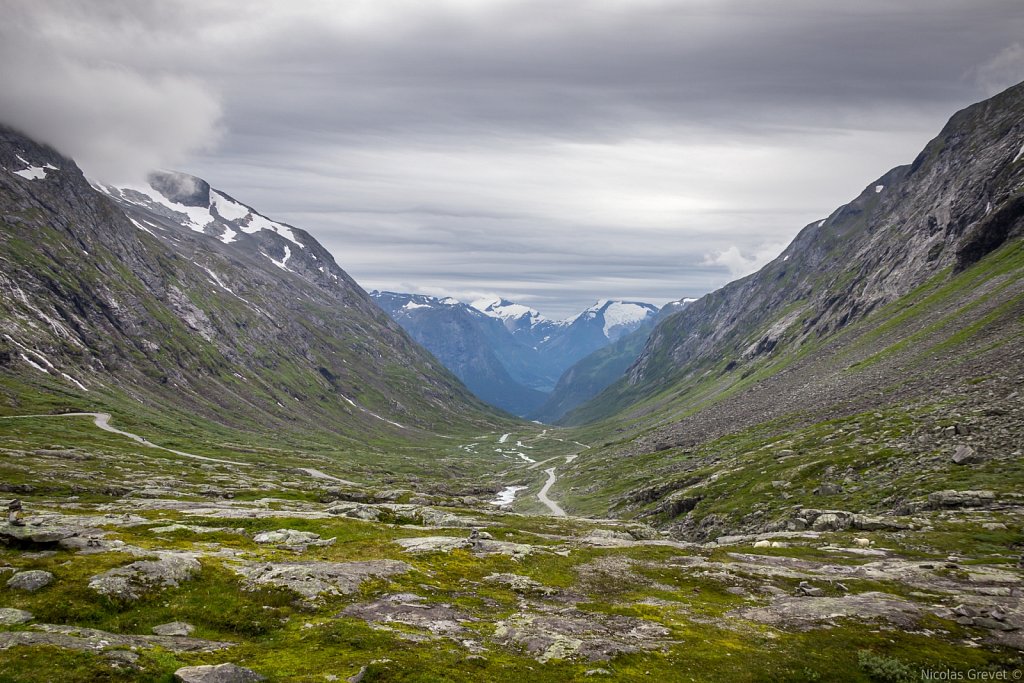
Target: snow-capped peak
[194, 204]
[503, 309]
[617, 317]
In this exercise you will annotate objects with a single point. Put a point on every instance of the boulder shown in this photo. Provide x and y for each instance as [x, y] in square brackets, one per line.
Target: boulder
[292, 538]
[131, 581]
[834, 520]
[174, 628]
[950, 499]
[520, 584]
[313, 579]
[30, 581]
[217, 673]
[35, 536]
[13, 617]
[965, 455]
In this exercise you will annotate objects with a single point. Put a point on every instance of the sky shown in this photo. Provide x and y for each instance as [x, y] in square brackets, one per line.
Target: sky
[553, 153]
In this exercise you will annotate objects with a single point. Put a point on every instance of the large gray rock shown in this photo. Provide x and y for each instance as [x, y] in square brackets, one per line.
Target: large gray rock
[12, 617]
[832, 520]
[814, 611]
[91, 639]
[174, 628]
[30, 581]
[35, 535]
[312, 579]
[573, 634]
[217, 673]
[960, 499]
[965, 455]
[292, 538]
[131, 581]
[409, 609]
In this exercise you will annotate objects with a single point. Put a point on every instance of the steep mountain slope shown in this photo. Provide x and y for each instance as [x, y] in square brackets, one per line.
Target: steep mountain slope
[958, 201]
[877, 360]
[195, 305]
[476, 347]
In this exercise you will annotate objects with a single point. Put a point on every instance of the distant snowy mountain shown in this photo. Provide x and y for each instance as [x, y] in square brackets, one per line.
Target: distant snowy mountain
[615, 318]
[478, 348]
[509, 354]
[523, 322]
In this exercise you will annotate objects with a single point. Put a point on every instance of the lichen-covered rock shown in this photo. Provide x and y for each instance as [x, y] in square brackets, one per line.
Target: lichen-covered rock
[13, 617]
[571, 634]
[30, 581]
[810, 611]
[409, 609]
[91, 639]
[520, 584]
[133, 580]
[174, 628]
[35, 535]
[433, 544]
[312, 579]
[960, 499]
[292, 538]
[217, 673]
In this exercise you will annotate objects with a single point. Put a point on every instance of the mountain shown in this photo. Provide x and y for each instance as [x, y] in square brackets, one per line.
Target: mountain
[589, 376]
[957, 202]
[524, 323]
[509, 354]
[876, 362]
[174, 299]
[478, 348]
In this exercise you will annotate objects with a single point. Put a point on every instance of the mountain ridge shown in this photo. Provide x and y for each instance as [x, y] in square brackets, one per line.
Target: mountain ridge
[141, 305]
[509, 354]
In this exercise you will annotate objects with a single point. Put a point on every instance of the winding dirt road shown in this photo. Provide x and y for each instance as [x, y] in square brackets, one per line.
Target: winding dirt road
[102, 420]
[542, 495]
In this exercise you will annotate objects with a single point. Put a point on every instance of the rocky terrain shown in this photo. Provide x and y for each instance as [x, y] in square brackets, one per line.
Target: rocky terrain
[236, 571]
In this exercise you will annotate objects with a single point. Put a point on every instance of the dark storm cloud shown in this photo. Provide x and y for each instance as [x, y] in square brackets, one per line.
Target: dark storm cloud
[560, 152]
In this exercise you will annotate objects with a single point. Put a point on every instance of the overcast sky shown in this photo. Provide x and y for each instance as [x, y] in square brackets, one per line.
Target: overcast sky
[551, 152]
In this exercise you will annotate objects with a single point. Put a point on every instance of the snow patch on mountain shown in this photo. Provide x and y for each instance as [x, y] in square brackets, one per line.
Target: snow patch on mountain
[31, 171]
[257, 222]
[624, 314]
[227, 208]
[282, 264]
[503, 309]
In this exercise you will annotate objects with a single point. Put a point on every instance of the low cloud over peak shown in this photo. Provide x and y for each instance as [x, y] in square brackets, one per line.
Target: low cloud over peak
[565, 152]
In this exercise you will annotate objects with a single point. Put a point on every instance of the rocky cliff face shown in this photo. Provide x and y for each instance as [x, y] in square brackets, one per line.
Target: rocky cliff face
[175, 297]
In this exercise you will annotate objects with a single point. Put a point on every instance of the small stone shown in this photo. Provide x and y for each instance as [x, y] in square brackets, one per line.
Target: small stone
[13, 617]
[597, 672]
[30, 581]
[964, 611]
[174, 628]
[217, 673]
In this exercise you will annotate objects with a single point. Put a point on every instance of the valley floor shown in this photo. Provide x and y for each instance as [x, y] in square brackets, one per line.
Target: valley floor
[136, 561]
